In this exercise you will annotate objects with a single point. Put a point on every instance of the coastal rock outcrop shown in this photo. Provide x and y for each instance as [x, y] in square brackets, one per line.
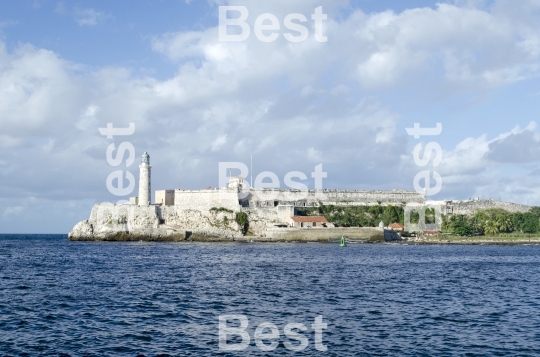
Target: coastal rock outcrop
[110, 222]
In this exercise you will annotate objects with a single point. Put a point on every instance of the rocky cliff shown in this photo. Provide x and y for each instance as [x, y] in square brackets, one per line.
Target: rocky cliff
[110, 222]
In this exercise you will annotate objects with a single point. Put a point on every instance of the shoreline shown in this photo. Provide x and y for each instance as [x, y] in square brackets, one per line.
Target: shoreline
[329, 240]
[536, 241]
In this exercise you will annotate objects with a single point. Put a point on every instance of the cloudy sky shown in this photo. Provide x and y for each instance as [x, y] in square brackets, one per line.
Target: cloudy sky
[68, 68]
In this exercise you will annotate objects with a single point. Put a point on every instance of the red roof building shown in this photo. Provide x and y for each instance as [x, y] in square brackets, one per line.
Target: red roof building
[396, 226]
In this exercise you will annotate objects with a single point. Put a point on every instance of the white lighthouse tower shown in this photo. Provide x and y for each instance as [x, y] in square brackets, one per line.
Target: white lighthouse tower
[144, 181]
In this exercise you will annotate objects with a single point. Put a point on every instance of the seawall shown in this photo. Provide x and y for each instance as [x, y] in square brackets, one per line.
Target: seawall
[366, 234]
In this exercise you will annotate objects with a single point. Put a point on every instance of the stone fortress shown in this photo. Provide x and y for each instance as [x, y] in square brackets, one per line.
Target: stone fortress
[211, 214]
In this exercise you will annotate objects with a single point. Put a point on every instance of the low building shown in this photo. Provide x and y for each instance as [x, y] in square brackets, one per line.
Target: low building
[397, 227]
[308, 222]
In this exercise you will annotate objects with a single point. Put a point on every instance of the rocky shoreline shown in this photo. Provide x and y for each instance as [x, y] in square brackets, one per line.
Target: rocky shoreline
[129, 223]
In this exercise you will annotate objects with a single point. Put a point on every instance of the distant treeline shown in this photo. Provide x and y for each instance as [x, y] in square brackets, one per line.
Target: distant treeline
[489, 221]
[364, 216]
[493, 221]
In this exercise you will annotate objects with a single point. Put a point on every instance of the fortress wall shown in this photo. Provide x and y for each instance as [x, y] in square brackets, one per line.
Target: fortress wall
[204, 200]
[335, 197]
[345, 198]
[470, 207]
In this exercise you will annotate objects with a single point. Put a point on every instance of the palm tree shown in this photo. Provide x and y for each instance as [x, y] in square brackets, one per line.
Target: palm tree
[491, 227]
[476, 225]
[505, 224]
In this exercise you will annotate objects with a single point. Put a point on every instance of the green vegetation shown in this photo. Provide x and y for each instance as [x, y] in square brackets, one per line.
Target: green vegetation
[242, 220]
[359, 216]
[220, 209]
[488, 222]
[493, 222]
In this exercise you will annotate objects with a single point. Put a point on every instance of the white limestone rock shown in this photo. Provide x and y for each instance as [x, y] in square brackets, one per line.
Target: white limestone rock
[110, 222]
[81, 230]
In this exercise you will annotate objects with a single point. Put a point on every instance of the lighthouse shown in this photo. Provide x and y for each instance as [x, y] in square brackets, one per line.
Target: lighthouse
[144, 181]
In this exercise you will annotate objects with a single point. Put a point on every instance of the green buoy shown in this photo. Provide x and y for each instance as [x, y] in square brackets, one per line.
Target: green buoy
[342, 243]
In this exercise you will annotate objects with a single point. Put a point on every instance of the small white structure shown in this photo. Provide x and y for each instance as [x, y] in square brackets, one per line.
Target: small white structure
[144, 181]
[165, 197]
[236, 182]
[134, 200]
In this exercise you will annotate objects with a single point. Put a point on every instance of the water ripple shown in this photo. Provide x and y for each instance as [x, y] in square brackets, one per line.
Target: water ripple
[144, 299]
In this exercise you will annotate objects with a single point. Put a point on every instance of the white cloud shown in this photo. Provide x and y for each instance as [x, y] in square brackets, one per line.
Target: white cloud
[516, 146]
[467, 47]
[307, 91]
[470, 45]
[88, 119]
[219, 142]
[288, 105]
[38, 92]
[89, 17]
[507, 166]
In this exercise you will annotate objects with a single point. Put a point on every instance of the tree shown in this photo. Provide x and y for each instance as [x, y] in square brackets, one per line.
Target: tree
[491, 227]
[530, 223]
[460, 228]
[535, 211]
[476, 225]
[459, 225]
[390, 215]
[505, 223]
[525, 222]
[518, 221]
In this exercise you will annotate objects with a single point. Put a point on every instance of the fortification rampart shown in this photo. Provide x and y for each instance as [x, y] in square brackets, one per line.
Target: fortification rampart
[368, 198]
[470, 207]
[273, 197]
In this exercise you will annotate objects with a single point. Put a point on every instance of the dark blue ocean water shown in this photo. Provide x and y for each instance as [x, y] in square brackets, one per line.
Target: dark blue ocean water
[59, 298]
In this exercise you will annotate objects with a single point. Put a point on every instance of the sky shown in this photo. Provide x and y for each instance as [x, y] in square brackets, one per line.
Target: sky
[68, 68]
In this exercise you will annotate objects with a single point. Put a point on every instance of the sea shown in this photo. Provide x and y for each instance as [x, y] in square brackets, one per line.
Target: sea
[61, 298]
